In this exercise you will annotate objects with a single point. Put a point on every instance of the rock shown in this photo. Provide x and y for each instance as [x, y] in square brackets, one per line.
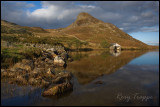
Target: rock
[44, 83]
[50, 61]
[37, 71]
[28, 62]
[51, 49]
[70, 59]
[3, 70]
[47, 55]
[59, 61]
[98, 82]
[64, 55]
[49, 71]
[4, 73]
[62, 77]
[58, 89]
[34, 81]
[10, 74]
[20, 80]
[46, 60]
[54, 55]
[43, 58]
[22, 66]
[26, 77]
[25, 64]
[20, 71]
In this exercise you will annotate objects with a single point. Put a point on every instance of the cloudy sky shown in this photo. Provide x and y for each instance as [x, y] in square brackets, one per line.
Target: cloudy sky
[140, 19]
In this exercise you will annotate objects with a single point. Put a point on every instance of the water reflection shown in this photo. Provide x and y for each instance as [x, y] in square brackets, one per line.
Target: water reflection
[98, 63]
[127, 78]
[115, 52]
[12, 94]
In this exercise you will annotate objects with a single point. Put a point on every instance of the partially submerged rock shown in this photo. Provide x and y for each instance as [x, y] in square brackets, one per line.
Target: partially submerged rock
[58, 89]
[98, 82]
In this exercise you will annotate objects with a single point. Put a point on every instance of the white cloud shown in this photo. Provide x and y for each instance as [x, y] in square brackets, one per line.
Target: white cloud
[44, 13]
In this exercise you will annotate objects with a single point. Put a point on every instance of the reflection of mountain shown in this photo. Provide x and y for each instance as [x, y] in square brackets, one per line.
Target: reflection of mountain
[89, 68]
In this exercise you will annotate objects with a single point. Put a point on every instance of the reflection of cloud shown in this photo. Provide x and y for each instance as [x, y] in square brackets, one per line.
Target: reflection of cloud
[132, 16]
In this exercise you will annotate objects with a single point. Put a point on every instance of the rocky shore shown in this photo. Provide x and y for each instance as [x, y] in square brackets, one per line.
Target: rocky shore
[47, 71]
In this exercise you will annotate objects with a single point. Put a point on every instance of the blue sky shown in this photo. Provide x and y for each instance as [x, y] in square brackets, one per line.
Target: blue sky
[37, 5]
[150, 38]
[140, 19]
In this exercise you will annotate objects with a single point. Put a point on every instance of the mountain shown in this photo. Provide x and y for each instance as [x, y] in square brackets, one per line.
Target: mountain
[85, 19]
[90, 29]
[85, 32]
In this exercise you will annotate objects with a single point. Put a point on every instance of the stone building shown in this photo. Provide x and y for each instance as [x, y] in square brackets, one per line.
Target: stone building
[115, 46]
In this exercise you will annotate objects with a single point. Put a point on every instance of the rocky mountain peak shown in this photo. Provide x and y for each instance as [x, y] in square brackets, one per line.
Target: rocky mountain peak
[84, 19]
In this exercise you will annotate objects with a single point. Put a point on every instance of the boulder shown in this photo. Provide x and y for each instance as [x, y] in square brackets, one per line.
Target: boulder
[54, 55]
[58, 89]
[46, 60]
[64, 55]
[62, 77]
[20, 80]
[49, 71]
[4, 73]
[34, 81]
[25, 64]
[51, 49]
[59, 61]
[10, 74]
[44, 83]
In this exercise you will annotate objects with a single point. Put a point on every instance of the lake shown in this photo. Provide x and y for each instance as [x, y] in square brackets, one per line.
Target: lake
[100, 78]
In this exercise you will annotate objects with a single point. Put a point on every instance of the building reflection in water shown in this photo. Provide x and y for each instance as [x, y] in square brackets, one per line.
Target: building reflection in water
[115, 52]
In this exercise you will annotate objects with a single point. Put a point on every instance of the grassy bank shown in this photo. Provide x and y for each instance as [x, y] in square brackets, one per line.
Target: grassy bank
[11, 55]
[68, 42]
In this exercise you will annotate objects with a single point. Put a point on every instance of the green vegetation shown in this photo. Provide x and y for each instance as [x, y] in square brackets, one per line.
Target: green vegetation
[9, 38]
[11, 55]
[68, 42]
[104, 44]
[12, 30]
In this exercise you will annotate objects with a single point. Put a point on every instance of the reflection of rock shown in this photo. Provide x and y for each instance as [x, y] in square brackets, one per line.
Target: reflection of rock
[89, 68]
[115, 52]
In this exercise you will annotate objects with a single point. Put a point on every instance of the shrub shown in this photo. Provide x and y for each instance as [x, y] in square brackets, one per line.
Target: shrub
[104, 44]
[9, 38]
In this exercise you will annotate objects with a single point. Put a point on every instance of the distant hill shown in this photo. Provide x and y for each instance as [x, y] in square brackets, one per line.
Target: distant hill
[8, 27]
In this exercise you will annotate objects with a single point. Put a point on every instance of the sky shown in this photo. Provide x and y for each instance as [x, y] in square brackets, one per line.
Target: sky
[140, 19]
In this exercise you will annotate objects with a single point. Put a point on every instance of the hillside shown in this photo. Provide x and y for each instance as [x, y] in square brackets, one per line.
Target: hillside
[15, 33]
[85, 32]
[90, 29]
[8, 27]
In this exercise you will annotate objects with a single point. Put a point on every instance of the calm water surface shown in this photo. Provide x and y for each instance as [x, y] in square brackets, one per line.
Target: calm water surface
[100, 78]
